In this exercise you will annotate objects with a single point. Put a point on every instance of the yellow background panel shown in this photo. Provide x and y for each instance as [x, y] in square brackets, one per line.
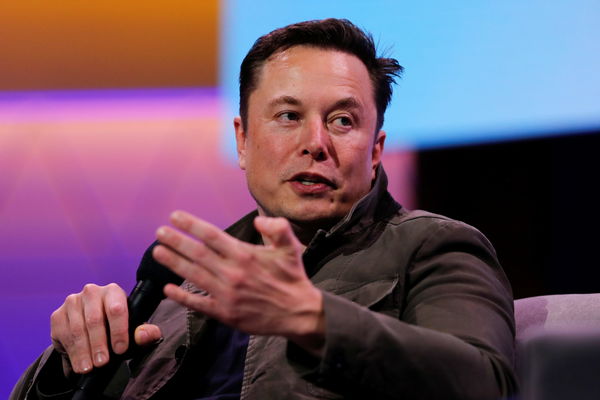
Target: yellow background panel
[105, 44]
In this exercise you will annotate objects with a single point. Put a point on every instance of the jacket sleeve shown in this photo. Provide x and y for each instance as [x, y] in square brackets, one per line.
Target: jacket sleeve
[454, 337]
[44, 379]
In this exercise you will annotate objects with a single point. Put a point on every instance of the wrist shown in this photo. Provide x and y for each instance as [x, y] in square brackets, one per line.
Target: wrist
[308, 326]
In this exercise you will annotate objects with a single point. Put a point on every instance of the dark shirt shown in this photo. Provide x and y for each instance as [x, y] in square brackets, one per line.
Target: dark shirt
[226, 347]
[213, 370]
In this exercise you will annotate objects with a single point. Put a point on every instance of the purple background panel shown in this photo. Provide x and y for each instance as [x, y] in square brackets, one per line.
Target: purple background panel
[85, 180]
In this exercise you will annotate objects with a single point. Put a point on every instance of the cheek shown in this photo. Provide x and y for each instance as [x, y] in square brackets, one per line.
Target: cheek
[262, 159]
[358, 158]
[255, 151]
[271, 149]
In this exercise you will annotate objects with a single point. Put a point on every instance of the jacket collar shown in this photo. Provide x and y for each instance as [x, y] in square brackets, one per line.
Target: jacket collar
[371, 207]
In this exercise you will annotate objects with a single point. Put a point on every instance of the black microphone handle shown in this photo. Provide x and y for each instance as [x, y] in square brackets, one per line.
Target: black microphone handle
[141, 303]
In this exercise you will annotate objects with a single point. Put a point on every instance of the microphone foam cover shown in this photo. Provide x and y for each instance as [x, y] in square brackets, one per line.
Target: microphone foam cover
[152, 270]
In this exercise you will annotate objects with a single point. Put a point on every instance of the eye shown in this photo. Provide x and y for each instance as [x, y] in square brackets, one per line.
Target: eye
[341, 123]
[288, 116]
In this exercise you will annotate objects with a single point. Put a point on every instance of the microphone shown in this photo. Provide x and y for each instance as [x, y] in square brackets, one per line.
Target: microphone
[142, 301]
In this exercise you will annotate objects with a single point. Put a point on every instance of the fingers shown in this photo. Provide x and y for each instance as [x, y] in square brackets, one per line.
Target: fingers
[187, 246]
[94, 321]
[203, 277]
[253, 288]
[147, 334]
[79, 327]
[115, 307]
[277, 232]
[199, 258]
[203, 304]
[209, 234]
[69, 334]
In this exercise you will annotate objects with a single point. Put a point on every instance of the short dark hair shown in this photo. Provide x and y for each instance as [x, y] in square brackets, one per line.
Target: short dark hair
[336, 34]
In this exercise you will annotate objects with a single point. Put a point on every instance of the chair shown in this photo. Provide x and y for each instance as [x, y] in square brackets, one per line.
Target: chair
[558, 346]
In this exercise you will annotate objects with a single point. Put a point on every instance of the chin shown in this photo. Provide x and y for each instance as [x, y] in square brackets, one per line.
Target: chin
[308, 212]
[320, 218]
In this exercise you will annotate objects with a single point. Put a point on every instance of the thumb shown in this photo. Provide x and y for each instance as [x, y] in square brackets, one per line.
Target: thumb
[276, 231]
[147, 334]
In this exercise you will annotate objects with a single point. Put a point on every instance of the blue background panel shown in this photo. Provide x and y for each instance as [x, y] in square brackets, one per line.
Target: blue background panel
[475, 71]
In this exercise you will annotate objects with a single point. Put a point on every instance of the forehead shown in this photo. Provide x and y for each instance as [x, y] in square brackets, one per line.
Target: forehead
[300, 69]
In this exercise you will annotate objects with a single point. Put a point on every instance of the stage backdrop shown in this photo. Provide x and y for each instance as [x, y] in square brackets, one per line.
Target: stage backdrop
[112, 114]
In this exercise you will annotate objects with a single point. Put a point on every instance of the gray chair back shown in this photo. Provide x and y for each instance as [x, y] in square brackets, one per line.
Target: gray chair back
[558, 346]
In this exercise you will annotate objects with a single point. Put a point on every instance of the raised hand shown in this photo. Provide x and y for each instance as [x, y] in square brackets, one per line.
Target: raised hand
[254, 288]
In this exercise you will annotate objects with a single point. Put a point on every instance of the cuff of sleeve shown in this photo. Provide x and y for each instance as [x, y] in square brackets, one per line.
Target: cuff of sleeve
[52, 383]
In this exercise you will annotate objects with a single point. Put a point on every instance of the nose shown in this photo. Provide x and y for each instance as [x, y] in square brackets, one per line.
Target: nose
[315, 140]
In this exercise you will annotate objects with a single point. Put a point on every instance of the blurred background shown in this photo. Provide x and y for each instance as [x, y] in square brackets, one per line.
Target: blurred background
[113, 114]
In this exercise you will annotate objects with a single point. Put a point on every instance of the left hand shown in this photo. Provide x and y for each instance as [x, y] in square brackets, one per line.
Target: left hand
[257, 289]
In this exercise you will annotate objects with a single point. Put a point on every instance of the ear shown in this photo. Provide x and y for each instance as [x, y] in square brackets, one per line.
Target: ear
[377, 152]
[240, 139]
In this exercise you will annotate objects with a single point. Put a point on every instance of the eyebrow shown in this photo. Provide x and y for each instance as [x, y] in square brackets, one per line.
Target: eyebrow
[282, 100]
[345, 103]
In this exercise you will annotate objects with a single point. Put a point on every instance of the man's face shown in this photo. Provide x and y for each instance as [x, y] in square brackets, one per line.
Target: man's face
[309, 147]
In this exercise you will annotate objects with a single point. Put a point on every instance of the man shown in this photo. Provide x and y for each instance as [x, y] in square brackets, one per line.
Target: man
[330, 289]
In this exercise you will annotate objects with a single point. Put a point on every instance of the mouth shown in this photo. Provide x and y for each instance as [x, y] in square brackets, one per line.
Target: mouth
[311, 179]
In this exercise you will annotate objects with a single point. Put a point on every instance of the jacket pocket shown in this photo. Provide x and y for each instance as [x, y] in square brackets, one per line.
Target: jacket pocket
[367, 294]
[320, 393]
